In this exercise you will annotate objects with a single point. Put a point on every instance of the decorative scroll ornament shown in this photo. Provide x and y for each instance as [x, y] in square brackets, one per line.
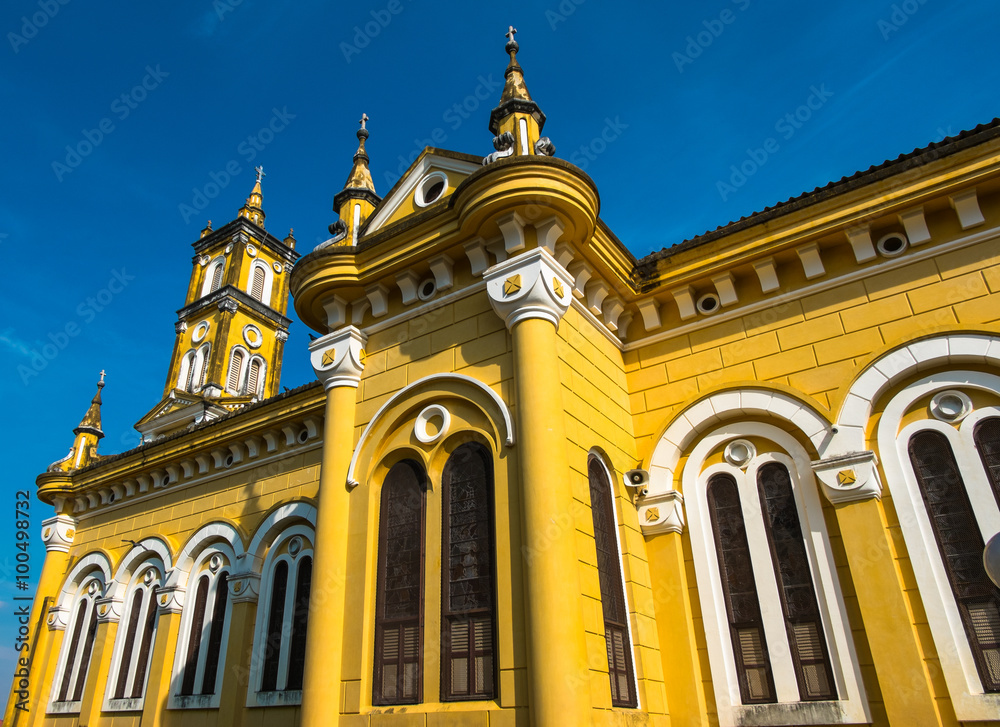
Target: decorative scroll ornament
[662, 512]
[544, 147]
[531, 285]
[849, 477]
[338, 358]
[504, 145]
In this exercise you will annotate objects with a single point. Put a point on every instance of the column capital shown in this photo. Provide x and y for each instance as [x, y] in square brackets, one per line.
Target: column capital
[170, 599]
[109, 610]
[661, 512]
[338, 358]
[244, 587]
[849, 477]
[58, 532]
[531, 285]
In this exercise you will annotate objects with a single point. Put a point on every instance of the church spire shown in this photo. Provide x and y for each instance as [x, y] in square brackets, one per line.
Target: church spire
[517, 121]
[357, 200]
[88, 434]
[253, 210]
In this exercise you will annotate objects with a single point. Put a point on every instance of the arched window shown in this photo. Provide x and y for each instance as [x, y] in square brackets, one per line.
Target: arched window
[254, 379]
[287, 621]
[217, 271]
[468, 610]
[257, 279]
[186, 372]
[961, 545]
[400, 589]
[609, 570]
[746, 627]
[987, 439]
[77, 649]
[204, 648]
[235, 371]
[136, 633]
[795, 585]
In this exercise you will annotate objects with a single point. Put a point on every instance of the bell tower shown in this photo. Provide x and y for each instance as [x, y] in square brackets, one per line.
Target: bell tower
[232, 329]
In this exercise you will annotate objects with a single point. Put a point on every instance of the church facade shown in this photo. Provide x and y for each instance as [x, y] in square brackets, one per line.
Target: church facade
[746, 480]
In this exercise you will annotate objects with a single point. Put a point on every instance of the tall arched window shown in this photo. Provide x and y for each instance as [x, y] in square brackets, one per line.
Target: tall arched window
[257, 278]
[254, 379]
[746, 627]
[795, 584]
[82, 630]
[205, 635]
[468, 610]
[400, 589]
[287, 622]
[961, 546]
[217, 276]
[186, 372]
[609, 570]
[987, 439]
[235, 371]
[136, 632]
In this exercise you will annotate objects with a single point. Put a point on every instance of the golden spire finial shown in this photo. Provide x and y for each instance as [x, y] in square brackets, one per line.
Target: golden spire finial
[253, 210]
[514, 86]
[360, 177]
[91, 421]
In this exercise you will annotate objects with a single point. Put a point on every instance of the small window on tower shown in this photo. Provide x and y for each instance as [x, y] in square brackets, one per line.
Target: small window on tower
[257, 284]
[235, 371]
[217, 277]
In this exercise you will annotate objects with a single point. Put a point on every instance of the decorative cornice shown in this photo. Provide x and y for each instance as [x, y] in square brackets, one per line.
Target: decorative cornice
[58, 533]
[281, 335]
[245, 226]
[662, 512]
[230, 295]
[851, 477]
[531, 285]
[338, 358]
[228, 305]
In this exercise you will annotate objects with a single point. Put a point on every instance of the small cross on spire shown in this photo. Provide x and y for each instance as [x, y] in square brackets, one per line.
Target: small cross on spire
[102, 376]
[364, 120]
[511, 30]
[260, 173]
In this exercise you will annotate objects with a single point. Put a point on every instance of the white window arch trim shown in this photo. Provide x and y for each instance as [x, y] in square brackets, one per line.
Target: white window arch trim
[851, 706]
[206, 286]
[194, 575]
[187, 363]
[71, 595]
[261, 376]
[244, 368]
[135, 584]
[599, 456]
[970, 701]
[256, 698]
[268, 281]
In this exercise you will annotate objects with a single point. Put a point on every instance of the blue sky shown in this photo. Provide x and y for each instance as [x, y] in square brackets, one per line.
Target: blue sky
[122, 119]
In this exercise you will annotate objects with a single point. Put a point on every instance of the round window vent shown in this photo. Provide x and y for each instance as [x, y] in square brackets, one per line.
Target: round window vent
[431, 189]
[303, 436]
[951, 406]
[893, 244]
[708, 304]
[426, 289]
[739, 452]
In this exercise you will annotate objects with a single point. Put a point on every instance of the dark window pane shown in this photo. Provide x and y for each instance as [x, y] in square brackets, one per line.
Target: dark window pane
[74, 644]
[795, 584]
[300, 617]
[987, 436]
[215, 635]
[746, 627]
[88, 648]
[961, 544]
[272, 647]
[468, 615]
[146, 645]
[398, 613]
[126, 658]
[609, 570]
[194, 637]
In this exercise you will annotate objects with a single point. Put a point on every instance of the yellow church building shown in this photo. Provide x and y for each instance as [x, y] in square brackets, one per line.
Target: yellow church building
[745, 480]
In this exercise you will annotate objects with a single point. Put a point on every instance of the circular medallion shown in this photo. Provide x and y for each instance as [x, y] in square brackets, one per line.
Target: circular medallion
[739, 452]
[253, 336]
[431, 424]
[251, 251]
[295, 546]
[215, 562]
[229, 248]
[277, 267]
[200, 331]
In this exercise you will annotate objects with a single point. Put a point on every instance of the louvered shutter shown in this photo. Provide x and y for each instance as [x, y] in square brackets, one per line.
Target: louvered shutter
[235, 371]
[468, 613]
[746, 627]
[960, 543]
[217, 277]
[609, 571]
[400, 587]
[252, 376]
[257, 283]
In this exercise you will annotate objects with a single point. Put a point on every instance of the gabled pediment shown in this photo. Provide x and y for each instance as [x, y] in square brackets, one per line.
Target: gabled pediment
[178, 410]
[418, 188]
